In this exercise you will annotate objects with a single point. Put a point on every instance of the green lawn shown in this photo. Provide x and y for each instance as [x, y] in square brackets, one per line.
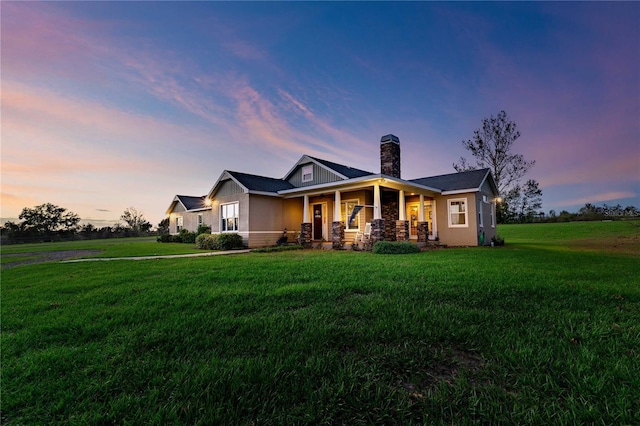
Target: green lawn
[113, 247]
[545, 330]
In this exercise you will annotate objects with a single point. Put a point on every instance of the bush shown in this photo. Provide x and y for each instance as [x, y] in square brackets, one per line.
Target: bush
[497, 240]
[187, 237]
[229, 241]
[395, 247]
[207, 242]
[203, 229]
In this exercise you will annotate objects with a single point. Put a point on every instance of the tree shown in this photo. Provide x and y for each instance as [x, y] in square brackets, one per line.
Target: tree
[491, 146]
[522, 202]
[163, 226]
[135, 220]
[48, 218]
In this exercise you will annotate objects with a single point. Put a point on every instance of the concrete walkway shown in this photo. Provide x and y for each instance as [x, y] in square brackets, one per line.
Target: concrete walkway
[166, 256]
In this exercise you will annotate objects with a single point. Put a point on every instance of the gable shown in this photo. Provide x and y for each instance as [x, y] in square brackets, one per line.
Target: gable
[229, 187]
[319, 175]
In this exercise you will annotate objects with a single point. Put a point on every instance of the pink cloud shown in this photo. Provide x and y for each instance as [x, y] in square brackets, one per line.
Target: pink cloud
[600, 198]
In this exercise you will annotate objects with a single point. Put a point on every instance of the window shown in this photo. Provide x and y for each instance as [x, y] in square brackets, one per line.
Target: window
[200, 219]
[347, 208]
[458, 213]
[307, 173]
[480, 218]
[179, 223]
[229, 217]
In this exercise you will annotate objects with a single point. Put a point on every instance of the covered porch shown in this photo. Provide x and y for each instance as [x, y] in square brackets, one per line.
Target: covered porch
[396, 211]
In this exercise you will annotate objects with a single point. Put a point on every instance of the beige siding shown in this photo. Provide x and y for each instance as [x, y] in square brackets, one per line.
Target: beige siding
[453, 236]
[320, 175]
[189, 219]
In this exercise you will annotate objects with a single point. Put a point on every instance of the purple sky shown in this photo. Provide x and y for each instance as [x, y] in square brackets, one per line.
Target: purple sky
[107, 105]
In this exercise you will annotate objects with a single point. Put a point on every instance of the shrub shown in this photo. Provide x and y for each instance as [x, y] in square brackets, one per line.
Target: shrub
[229, 241]
[187, 237]
[164, 238]
[395, 247]
[203, 229]
[207, 242]
[497, 240]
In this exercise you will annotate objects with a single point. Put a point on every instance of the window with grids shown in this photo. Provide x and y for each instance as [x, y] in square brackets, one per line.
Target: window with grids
[179, 223]
[458, 213]
[229, 214]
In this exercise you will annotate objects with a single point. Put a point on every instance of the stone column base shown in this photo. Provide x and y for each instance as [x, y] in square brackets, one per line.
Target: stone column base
[305, 235]
[402, 230]
[377, 231]
[337, 235]
[423, 232]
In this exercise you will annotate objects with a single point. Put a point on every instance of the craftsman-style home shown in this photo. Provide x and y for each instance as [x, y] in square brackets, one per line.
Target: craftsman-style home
[319, 200]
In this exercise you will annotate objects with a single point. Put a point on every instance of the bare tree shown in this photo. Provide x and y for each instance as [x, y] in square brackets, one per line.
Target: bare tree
[491, 146]
[135, 220]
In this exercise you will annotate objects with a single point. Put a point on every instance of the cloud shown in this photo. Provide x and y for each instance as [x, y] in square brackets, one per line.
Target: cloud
[600, 198]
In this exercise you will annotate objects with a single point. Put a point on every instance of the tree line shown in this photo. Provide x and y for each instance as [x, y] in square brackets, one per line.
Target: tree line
[48, 222]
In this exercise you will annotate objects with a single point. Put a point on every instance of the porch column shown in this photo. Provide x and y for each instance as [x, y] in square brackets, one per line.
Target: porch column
[305, 228]
[377, 208]
[337, 228]
[402, 224]
[422, 228]
[305, 210]
[434, 222]
[377, 224]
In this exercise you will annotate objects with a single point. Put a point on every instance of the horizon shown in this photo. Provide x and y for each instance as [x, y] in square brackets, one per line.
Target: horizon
[107, 106]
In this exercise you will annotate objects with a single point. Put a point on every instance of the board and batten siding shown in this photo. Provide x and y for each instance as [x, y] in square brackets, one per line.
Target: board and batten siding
[228, 187]
[320, 175]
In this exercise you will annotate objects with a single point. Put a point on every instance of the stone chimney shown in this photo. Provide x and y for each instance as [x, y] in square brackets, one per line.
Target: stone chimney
[390, 156]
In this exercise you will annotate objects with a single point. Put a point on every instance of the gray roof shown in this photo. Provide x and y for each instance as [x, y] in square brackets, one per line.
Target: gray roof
[348, 172]
[260, 183]
[454, 181]
[192, 203]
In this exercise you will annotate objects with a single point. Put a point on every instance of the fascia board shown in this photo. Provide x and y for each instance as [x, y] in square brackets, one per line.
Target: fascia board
[269, 194]
[460, 191]
[354, 183]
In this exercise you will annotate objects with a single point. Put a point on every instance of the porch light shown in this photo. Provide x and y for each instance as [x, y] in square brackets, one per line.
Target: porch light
[498, 199]
[207, 202]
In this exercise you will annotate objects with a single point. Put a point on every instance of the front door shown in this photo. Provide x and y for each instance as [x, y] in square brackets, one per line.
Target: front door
[317, 221]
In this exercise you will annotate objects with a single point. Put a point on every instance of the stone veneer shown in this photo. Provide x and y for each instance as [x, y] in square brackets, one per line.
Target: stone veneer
[305, 235]
[390, 156]
[402, 230]
[377, 230]
[390, 214]
[423, 232]
[337, 235]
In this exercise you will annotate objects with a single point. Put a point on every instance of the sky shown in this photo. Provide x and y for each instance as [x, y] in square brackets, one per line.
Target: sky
[110, 105]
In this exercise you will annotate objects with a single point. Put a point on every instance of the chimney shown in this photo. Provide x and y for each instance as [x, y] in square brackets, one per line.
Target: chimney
[390, 156]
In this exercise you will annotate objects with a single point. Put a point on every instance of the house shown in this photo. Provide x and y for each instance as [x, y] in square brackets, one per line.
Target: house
[315, 201]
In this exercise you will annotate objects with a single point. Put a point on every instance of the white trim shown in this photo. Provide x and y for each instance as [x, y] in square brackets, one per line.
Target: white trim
[479, 205]
[466, 212]
[237, 217]
[460, 191]
[355, 183]
[307, 170]
[493, 214]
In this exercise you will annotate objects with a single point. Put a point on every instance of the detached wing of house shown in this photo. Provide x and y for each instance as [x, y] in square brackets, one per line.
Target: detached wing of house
[315, 199]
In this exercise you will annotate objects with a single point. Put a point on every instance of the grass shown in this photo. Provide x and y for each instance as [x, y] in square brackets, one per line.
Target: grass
[114, 247]
[540, 331]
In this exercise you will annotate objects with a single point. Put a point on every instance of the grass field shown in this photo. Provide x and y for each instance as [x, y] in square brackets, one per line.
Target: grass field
[545, 330]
